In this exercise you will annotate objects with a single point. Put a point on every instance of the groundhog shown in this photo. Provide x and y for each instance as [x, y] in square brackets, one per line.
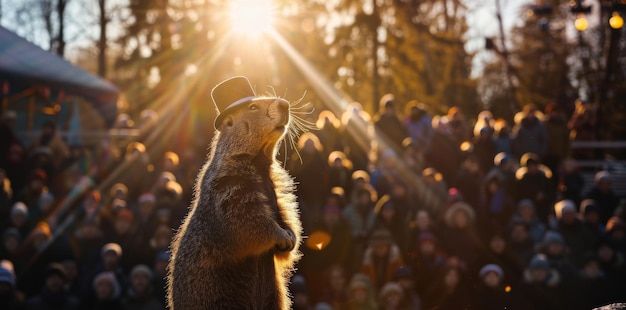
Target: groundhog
[238, 244]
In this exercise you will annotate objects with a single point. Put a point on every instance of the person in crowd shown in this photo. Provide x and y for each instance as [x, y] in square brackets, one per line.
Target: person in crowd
[498, 206]
[557, 254]
[360, 216]
[335, 251]
[613, 263]
[570, 181]
[543, 286]
[582, 126]
[53, 294]
[434, 181]
[427, 260]
[51, 139]
[107, 292]
[357, 135]
[499, 253]
[603, 195]
[299, 290]
[589, 214]
[335, 292]
[593, 288]
[10, 297]
[329, 131]
[449, 291]
[444, 154]
[526, 214]
[361, 294]
[502, 138]
[19, 219]
[159, 267]
[529, 133]
[504, 168]
[139, 295]
[339, 170]
[418, 124]
[11, 241]
[392, 297]
[389, 218]
[493, 292]
[578, 238]
[388, 127]
[111, 257]
[471, 190]
[405, 277]
[520, 242]
[381, 259]
[557, 133]
[484, 148]
[534, 182]
[36, 187]
[459, 127]
[460, 237]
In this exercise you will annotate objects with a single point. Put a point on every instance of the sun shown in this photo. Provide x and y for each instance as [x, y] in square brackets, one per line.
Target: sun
[251, 17]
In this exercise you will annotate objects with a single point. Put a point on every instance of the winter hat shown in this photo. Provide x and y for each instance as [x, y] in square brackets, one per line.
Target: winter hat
[6, 276]
[112, 247]
[360, 280]
[19, 208]
[55, 269]
[361, 174]
[529, 158]
[564, 206]
[147, 197]
[525, 203]
[491, 268]
[602, 176]
[298, 285]
[459, 206]
[108, 276]
[380, 236]
[232, 93]
[553, 237]
[141, 269]
[390, 288]
[501, 158]
[587, 206]
[539, 261]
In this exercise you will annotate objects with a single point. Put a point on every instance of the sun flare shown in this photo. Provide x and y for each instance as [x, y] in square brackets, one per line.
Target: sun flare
[251, 17]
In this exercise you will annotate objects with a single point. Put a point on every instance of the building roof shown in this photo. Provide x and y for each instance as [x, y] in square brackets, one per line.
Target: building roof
[24, 62]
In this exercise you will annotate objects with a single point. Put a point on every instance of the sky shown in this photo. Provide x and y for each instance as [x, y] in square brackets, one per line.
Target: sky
[82, 32]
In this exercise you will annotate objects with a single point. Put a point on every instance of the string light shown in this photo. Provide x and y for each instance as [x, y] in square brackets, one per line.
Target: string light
[616, 21]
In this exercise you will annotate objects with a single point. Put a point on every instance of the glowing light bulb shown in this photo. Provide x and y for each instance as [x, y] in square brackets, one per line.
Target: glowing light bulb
[616, 21]
[581, 22]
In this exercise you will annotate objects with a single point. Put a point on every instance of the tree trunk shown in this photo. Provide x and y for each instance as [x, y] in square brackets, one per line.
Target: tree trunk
[60, 47]
[102, 41]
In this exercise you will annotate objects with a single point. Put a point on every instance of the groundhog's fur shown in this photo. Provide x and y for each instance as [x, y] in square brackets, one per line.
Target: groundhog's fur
[238, 244]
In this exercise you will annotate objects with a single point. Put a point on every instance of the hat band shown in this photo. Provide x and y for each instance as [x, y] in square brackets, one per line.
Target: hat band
[238, 102]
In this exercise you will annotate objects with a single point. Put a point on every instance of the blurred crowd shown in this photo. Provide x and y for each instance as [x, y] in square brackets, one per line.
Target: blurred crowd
[401, 210]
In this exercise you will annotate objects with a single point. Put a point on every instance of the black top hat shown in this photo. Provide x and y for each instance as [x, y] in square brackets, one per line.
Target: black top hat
[230, 94]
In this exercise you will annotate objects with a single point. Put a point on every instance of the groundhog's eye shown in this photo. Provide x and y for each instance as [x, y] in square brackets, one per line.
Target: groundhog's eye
[253, 106]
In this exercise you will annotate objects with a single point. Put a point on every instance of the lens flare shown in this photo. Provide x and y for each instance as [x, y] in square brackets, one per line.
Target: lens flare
[251, 17]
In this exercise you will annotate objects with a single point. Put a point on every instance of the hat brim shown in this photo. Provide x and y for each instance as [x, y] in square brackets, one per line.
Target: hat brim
[238, 104]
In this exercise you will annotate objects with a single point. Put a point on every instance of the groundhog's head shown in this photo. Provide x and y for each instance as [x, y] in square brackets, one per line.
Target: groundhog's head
[256, 126]
[249, 124]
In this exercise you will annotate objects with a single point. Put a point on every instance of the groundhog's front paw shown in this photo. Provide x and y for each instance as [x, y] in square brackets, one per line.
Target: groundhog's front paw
[287, 242]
